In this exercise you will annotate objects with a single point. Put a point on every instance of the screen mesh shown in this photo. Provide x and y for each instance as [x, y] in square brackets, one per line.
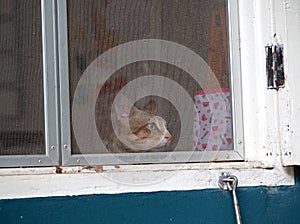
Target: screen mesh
[96, 26]
[21, 81]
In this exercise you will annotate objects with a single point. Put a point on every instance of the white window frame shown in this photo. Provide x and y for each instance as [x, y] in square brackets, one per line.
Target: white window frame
[261, 126]
[289, 104]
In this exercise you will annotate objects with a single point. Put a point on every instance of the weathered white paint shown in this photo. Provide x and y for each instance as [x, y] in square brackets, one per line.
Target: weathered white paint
[264, 136]
[289, 101]
[26, 183]
[259, 103]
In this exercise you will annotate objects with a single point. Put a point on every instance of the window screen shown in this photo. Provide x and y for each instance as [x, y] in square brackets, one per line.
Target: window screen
[166, 62]
[21, 82]
[95, 27]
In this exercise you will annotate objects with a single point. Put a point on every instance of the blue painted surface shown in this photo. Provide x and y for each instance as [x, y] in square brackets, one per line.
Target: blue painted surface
[258, 205]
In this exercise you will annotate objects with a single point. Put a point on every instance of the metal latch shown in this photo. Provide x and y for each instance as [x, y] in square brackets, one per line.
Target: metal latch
[274, 66]
[229, 182]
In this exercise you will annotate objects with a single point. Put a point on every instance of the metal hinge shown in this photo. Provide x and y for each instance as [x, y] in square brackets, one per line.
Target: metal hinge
[275, 66]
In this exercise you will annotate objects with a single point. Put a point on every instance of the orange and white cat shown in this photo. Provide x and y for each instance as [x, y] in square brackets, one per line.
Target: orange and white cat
[138, 131]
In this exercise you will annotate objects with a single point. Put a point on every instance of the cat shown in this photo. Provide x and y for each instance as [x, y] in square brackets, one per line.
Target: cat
[139, 130]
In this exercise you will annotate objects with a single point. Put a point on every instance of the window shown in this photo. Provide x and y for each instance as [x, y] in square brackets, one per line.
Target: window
[192, 66]
[27, 86]
[61, 54]
[189, 80]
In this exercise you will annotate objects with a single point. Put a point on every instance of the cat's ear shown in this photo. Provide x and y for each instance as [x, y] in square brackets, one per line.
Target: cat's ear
[150, 107]
[124, 108]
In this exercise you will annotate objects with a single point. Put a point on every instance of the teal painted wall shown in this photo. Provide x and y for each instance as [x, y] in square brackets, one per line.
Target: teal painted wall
[258, 205]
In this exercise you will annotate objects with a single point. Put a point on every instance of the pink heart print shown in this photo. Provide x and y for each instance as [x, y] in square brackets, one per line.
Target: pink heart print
[212, 122]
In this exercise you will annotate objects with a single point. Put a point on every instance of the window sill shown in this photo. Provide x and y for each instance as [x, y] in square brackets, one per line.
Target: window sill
[45, 182]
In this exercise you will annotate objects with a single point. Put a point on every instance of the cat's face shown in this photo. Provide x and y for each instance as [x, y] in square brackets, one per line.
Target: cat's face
[143, 130]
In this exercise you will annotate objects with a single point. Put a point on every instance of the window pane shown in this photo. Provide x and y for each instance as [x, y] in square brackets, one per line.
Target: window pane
[21, 81]
[94, 27]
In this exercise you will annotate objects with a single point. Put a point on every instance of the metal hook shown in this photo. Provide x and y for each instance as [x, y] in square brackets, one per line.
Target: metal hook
[229, 182]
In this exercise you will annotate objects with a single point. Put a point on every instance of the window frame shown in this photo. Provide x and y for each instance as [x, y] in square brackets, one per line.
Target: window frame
[51, 156]
[263, 158]
[289, 108]
[237, 154]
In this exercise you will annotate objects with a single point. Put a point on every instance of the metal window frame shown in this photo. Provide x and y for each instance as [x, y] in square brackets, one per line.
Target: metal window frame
[106, 159]
[52, 154]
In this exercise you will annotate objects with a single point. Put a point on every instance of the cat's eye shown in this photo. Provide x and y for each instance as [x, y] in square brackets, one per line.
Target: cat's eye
[152, 126]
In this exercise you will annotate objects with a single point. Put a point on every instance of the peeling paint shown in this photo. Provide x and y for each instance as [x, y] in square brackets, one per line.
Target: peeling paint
[261, 132]
[150, 178]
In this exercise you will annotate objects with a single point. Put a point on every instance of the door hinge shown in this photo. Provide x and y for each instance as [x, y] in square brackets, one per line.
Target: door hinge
[275, 66]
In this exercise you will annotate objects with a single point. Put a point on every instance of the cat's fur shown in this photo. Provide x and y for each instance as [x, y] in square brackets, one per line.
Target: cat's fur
[138, 131]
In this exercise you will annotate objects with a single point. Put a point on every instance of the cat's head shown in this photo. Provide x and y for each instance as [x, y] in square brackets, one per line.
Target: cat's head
[141, 129]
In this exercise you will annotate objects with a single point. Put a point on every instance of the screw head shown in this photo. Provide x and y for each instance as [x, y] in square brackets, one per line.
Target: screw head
[65, 146]
[78, 161]
[52, 147]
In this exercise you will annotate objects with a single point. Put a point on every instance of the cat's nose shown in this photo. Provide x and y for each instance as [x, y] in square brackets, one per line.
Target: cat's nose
[168, 136]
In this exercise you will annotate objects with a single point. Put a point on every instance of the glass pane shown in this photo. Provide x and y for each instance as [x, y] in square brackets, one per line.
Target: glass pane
[95, 27]
[21, 84]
